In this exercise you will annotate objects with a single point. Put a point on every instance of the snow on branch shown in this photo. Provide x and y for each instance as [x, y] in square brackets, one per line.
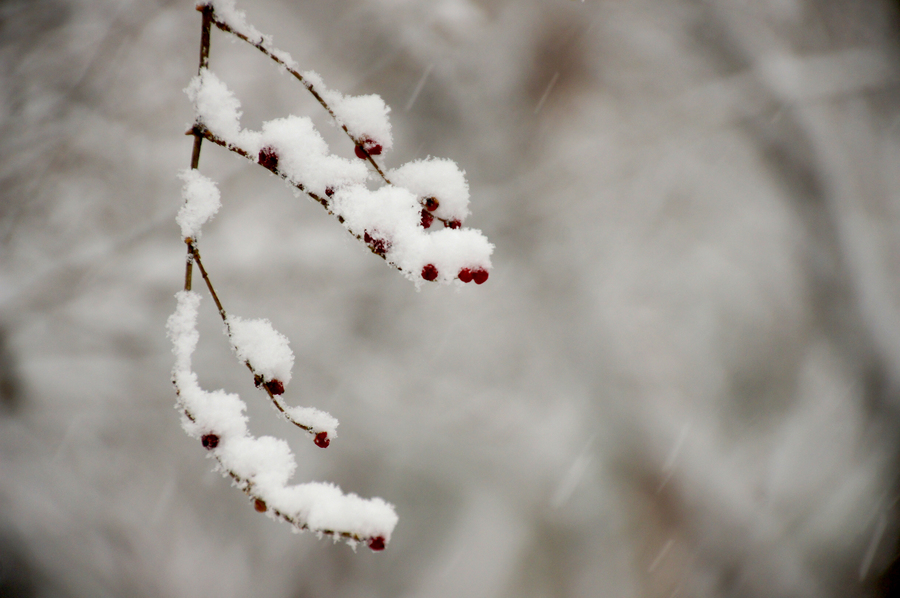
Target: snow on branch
[267, 355]
[396, 221]
[201, 202]
[262, 467]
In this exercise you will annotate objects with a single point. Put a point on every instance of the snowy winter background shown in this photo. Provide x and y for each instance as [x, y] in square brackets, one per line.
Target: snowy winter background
[680, 380]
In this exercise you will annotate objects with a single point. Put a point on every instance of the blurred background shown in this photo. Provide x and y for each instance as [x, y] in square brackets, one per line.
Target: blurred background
[682, 378]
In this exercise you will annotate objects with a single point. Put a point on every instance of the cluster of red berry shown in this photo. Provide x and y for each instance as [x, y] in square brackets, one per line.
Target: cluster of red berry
[268, 158]
[479, 275]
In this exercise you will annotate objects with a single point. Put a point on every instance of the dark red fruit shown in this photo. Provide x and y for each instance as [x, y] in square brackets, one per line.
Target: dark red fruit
[454, 224]
[465, 275]
[268, 158]
[429, 272]
[322, 440]
[275, 387]
[210, 441]
[479, 276]
[378, 245]
[329, 191]
[366, 148]
[431, 203]
[427, 219]
[376, 543]
[260, 505]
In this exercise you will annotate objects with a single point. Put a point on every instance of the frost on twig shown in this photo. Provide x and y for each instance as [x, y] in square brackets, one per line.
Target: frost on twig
[413, 220]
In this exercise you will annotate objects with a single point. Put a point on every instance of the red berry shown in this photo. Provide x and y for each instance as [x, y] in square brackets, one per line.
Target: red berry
[322, 440]
[429, 272]
[268, 158]
[260, 505]
[454, 224]
[378, 245]
[275, 387]
[431, 203]
[210, 441]
[479, 276]
[427, 219]
[329, 191]
[366, 148]
[465, 275]
[376, 543]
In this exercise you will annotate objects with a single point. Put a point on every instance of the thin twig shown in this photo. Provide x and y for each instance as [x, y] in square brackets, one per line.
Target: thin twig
[198, 139]
[259, 46]
[204, 37]
[247, 487]
[199, 129]
[195, 254]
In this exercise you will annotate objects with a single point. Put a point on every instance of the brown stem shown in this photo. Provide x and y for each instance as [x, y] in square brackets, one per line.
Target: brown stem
[204, 36]
[247, 488]
[259, 46]
[199, 129]
[205, 28]
[195, 254]
[188, 270]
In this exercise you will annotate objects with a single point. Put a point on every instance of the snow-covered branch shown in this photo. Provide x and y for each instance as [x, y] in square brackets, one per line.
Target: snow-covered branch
[395, 221]
[261, 467]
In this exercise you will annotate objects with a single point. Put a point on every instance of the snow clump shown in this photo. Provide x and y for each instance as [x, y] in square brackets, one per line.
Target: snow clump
[201, 202]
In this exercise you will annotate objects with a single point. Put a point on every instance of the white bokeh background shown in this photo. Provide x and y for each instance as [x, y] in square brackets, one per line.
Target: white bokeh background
[680, 380]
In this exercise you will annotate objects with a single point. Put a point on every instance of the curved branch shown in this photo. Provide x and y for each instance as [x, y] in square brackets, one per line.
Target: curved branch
[257, 377]
[199, 129]
[373, 542]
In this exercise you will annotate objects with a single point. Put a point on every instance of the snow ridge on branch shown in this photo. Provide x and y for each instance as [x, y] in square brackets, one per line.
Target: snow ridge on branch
[262, 467]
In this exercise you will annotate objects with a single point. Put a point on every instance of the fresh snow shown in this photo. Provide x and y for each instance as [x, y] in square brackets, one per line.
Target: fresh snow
[366, 116]
[439, 178]
[391, 214]
[264, 348]
[201, 202]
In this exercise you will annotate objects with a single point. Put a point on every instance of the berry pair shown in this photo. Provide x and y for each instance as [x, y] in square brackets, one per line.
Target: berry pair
[479, 275]
[428, 219]
[366, 148]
